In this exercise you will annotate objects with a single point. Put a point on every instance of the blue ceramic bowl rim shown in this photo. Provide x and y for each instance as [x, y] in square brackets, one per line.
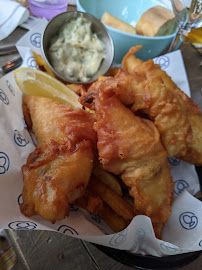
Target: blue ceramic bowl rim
[128, 34]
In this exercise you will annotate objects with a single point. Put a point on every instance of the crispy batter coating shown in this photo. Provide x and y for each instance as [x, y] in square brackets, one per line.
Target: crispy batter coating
[194, 148]
[151, 97]
[141, 118]
[87, 99]
[58, 171]
[185, 124]
[130, 146]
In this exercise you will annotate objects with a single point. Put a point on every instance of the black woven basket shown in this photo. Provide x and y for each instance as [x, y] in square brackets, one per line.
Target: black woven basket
[150, 262]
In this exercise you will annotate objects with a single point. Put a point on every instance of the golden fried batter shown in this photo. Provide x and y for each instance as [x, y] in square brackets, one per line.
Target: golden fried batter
[152, 98]
[58, 171]
[130, 146]
[180, 116]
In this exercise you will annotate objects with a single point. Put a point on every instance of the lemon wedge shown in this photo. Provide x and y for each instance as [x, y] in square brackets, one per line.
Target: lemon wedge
[38, 83]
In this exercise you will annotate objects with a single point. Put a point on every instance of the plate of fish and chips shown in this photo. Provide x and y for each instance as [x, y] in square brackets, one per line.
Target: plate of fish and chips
[107, 195]
[105, 147]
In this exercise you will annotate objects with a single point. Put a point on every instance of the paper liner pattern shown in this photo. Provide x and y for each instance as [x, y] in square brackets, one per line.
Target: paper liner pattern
[184, 229]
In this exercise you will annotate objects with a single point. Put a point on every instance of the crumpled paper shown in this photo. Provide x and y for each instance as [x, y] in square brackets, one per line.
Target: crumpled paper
[183, 232]
[12, 14]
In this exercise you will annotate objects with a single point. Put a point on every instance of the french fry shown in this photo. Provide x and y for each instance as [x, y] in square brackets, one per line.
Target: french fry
[43, 66]
[156, 21]
[116, 23]
[115, 222]
[111, 198]
[90, 202]
[108, 179]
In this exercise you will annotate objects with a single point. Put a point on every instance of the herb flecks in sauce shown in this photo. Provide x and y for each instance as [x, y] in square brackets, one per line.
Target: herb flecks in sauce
[76, 52]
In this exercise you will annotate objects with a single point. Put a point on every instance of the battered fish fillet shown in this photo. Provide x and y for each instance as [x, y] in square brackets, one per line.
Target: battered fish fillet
[130, 146]
[58, 171]
[186, 124]
[153, 99]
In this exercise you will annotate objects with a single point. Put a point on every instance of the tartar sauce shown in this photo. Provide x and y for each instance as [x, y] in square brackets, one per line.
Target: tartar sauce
[76, 52]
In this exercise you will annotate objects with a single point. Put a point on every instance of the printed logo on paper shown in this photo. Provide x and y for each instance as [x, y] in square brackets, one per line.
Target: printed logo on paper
[31, 62]
[180, 185]
[95, 217]
[139, 236]
[67, 230]
[163, 61]
[4, 97]
[35, 40]
[73, 207]
[19, 139]
[188, 220]
[169, 249]
[174, 161]
[10, 87]
[4, 163]
[140, 233]
[22, 225]
[118, 238]
[200, 243]
[20, 199]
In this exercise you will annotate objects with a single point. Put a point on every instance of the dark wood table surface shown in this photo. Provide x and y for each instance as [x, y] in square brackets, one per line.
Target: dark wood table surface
[43, 250]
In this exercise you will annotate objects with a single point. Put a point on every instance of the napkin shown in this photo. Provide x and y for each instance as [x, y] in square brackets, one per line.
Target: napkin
[184, 229]
[12, 14]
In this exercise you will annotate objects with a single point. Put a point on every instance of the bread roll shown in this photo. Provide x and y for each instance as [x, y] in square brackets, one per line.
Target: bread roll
[116, 23]
[156, 21]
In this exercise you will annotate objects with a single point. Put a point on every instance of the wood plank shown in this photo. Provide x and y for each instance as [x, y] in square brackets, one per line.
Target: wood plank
[45, 250]
[104, 262]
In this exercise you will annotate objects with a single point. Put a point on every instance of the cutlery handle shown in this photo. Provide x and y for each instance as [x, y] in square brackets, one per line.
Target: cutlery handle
[8, 49]
[176, 41]
[11, 65]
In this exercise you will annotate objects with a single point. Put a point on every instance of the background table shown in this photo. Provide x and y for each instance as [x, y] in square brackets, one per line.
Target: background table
[43, 250]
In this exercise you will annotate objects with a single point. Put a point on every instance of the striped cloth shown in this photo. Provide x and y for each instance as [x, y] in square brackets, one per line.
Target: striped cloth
[7, 254]
[7, 258]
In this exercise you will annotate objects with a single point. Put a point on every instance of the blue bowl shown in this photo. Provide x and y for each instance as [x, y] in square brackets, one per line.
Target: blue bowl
[129, 11]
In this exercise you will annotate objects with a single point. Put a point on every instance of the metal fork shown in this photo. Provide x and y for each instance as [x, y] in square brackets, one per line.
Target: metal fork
[181, 17]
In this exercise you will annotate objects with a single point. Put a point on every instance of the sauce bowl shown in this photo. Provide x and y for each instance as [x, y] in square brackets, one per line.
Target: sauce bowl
[52, 29]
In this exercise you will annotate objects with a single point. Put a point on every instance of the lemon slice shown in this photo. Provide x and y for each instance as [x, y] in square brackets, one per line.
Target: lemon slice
[38, 83]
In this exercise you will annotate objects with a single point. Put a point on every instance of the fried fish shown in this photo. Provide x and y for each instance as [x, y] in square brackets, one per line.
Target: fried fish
[58, 170]
[130, 146]
[177, 117]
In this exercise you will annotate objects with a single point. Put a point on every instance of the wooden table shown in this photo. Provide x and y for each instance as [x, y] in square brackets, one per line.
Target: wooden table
[39, 250]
